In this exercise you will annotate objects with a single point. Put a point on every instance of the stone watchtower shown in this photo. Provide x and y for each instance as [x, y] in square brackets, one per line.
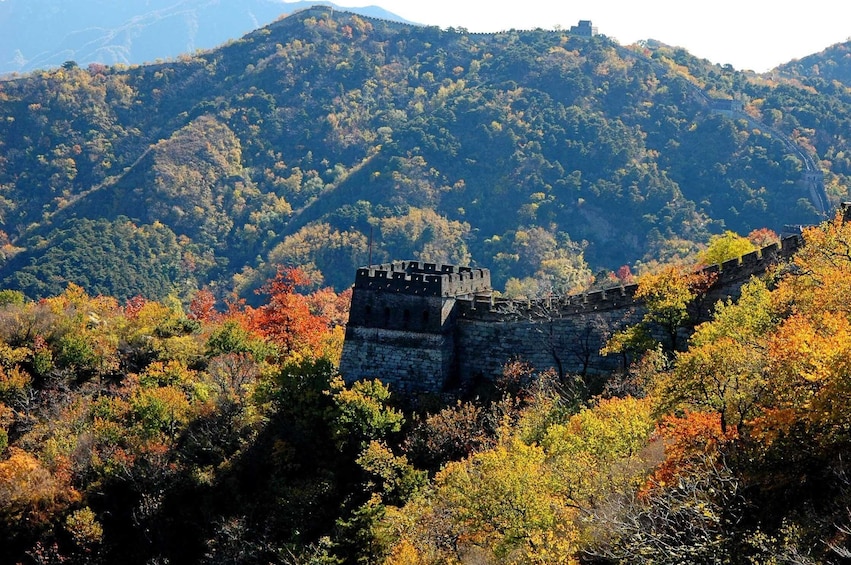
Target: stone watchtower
[402, 322]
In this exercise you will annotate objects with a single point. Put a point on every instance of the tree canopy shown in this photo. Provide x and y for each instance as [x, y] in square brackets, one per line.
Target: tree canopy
[538, 154]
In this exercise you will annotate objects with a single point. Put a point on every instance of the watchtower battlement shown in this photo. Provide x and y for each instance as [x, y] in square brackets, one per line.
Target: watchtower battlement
[402, 321]
[413, 296]
[424, 279]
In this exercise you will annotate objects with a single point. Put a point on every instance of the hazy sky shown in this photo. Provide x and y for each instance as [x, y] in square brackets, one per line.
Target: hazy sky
[748, 34]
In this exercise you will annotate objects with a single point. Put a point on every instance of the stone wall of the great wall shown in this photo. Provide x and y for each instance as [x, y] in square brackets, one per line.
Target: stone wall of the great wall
[423, 327]
[408, 361]
[541, 336]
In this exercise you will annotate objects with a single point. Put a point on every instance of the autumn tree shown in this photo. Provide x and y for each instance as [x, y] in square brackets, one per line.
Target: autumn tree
[724, 369]
[527, 501]
[203, 306]
[558, 263]
[363, 413]
[426, 235]
[768, 371]
[688, 508]
[724, 247]
[809, 351]
[671, 297]
[286, 319]
[763, 237]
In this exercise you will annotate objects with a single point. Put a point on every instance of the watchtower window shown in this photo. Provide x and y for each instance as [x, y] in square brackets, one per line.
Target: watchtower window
[386, 316]
[425, 317]
[406, 318]
[368, 313]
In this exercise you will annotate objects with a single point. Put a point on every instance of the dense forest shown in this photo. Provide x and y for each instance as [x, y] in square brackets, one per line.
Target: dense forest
[149, 432]
[327, 138]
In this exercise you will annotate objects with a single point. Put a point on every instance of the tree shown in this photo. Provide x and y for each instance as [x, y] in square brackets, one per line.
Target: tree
[450, 434]
[503, 502]
[30, 495]
[724, 369]
[686, 511]
[600, 451]
[529, 501]
[724, 247]
[670, 297]
[809, 351]
[203, 306]
[425, 235]
[760, 386]
[362, 412]
[763, 237]
[286, 319]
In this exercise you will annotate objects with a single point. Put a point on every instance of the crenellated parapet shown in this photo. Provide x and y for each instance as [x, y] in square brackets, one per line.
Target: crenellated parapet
[495, 310]
[728, 279]
[755, 262]
[424, 279]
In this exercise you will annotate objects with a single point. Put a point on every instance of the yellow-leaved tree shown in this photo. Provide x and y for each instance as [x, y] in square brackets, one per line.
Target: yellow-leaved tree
[724, 247]
[528, 502]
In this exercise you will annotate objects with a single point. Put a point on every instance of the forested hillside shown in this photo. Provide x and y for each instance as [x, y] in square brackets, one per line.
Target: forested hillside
[542, 156]
[832, 64]
[146, 432]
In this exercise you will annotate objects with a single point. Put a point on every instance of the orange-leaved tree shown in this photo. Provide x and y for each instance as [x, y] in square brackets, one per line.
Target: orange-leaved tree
[286, 319]
[810, 354]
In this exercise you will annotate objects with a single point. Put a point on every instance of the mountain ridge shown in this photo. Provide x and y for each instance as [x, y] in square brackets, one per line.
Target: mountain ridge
[537, 154]
[42, 34]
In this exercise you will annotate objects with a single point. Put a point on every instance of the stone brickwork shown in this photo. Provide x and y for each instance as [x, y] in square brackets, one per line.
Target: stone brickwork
[546, 339]
[402, 322]
[423, 327]
[409, 361]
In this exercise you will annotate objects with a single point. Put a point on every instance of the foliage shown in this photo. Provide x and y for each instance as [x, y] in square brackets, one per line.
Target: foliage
[286, 319]
[724, 247]
[194, 438]
[449, 434]
[144, 420]
[363, 413]
[115, 258]
[724, 369]
[524, 503]
[759, 385]
[670, 296]
[111, 416]
[544, 156]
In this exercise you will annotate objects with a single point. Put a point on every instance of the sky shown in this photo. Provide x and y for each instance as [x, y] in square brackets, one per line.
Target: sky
[753, 35]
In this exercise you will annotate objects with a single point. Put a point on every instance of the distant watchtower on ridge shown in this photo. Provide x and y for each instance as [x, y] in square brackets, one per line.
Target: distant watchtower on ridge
[401, 321]
[584, 29]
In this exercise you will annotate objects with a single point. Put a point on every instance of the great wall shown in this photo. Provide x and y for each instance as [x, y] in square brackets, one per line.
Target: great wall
[424, 327]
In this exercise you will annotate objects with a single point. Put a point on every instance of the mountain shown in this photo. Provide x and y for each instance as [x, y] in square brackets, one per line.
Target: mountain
[46, 33]
[834, 63]
[328, 139]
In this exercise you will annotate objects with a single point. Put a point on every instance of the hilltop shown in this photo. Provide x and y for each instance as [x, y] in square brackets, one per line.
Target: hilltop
[327, 138]
[832, 64]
